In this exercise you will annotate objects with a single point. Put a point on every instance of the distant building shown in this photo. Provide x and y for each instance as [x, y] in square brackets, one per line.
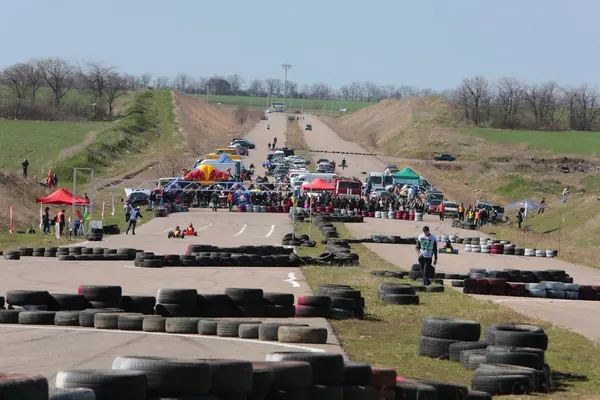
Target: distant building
[218, 86]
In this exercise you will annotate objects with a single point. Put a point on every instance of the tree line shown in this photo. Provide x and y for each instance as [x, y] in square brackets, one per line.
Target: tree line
[507, 103]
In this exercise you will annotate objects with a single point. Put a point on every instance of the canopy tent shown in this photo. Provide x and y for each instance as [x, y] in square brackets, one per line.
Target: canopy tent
[527, 204]
[61, 197]
[406, 174]
[317, 184]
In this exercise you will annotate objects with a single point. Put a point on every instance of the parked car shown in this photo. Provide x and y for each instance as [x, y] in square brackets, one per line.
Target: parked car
[432, 206]
[381, 193]
[391, 169]
[450, 209]
[444, 157]
[138, 198]
[308, 127]
[264, 117]
[249, 144]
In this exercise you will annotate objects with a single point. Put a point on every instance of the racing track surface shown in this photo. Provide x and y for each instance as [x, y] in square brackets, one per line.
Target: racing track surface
[576, 315]
[46, 350]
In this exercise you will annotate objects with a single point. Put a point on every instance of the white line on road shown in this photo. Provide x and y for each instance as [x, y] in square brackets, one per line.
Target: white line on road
[241, 230]
[292, 279]
[194, 336]
[271, 231]
[197, 230]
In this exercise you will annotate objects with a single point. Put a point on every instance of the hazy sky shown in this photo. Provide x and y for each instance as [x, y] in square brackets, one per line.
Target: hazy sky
[424, 43]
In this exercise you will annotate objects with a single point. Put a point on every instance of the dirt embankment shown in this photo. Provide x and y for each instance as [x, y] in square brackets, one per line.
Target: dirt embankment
[21, 194]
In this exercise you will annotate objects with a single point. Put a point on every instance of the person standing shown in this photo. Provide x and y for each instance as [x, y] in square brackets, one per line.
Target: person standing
[229, 200]
[543, 202]
[133, 219]
[519, 218]
[61, 221]
[427, 251]
[461, 212]
[441, 210]
[214, 199]
[25, 165]
[46, 220]
[127, 208]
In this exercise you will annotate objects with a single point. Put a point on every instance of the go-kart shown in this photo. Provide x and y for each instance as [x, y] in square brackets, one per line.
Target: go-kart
[177, 235]
[190, 233]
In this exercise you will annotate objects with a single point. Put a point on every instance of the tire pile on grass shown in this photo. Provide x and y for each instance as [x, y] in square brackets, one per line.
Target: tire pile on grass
[334, 302]
[404, 293]
[283, 376]
[510, 359]
[290, 239]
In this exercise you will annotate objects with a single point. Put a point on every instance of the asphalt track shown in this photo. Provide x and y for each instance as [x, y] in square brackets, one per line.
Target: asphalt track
[577, 315]
[46, 350]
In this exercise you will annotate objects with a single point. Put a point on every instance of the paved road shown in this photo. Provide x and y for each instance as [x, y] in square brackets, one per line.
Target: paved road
[262, 137]
[48, 349]
[579, 316]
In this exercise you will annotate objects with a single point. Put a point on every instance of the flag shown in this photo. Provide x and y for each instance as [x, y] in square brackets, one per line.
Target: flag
[11, 223]
[86, 216]
[102, 211]
[113, 206]
[525, 210]
[79, 216]
[41, 217]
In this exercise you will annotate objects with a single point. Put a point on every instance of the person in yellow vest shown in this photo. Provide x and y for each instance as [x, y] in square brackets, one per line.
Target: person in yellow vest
[471, 216]
[461, 212]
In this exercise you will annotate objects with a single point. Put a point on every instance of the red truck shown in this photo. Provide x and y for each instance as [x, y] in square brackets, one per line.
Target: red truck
[347, 186]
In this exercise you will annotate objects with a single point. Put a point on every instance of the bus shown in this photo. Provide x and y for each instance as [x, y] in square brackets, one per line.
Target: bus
[277, 107]
[347, 186]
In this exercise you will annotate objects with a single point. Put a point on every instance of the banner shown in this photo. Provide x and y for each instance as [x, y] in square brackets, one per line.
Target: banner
[11, 223]
[41, 217]
[103, 211]
[113, 206]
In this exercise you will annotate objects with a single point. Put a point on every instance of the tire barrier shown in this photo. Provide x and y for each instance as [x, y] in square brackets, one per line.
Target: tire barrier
[327, 214]
[509, 361]
[42, 307]
[398, 293]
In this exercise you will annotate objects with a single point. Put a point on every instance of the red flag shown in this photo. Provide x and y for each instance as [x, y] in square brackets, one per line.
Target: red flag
[11, 223]
[79, 215]
[102, 211]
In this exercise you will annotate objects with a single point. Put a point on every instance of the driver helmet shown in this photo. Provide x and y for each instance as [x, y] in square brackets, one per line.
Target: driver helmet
[191, 225]
[177, 227]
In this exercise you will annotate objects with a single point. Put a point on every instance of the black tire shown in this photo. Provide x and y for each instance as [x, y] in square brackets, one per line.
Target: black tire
[435, 347]
[138, 304]
[169, 376]
[230, 377]
[177, 296]
[340, 292]
[207, 327]
[344, 304]
[540, 353]
[152, 263]
[396, 288]
[477, 395]
[434, 289]
[217, 305]
[248, 331]
[322, 392]
[536, 376]
[314, 301]
[411, 389]
[154, 324]
[520, 335]
[445, 390]
[101, 304]
[49, 254]
[289, 375]
[279, 299]
[36, 317]
[262, 377]
[66, 318]
[302, 334]
[86, 317]
[230, 328]
[520, 358]
[451, 328]
[68, 302]
[106, 384]
[176, 310]
[66, 258]
[182, 325]
[313, 312]
[358, 374]
[28, 297]
[9, 316]
[71, 394]
[245, 296]
[106, 294]
[503, 384]
[327, 368]
[17, 386]
[130, 322]
[107, 320]
[401, 299]
[455, 348]
[466, 354]
[268, 331]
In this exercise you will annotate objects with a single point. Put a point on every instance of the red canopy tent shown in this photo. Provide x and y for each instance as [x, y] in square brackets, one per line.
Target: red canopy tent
[318, 184]
[61, 197]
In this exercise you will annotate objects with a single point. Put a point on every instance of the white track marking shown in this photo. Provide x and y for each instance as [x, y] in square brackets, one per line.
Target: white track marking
[191, 336]
[271, 231]
[241, 230]
[197, 230]
[292, 279]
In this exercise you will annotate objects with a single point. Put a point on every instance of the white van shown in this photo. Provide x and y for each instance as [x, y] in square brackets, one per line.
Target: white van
[375, 179]
[304, 178]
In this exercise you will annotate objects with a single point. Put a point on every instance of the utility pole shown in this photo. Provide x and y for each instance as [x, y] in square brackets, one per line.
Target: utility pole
[285, 66]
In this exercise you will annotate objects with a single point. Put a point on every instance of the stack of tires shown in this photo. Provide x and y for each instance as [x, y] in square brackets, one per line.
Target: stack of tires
[397, 293]
[514, 362]
[439, 333]
[12, 255]
[95, 235]
[177, 303]
[148, 260]
[327, 229]
[279, 305]
[248, 302]
[346, 302]
[161, 212]
[111, 229]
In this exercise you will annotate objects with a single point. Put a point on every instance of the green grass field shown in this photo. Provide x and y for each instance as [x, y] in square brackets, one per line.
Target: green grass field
[310, 105]
[389, 335]
[569, 142]
[39, 141]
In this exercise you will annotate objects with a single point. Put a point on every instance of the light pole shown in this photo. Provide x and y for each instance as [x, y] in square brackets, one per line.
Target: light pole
[285, 66]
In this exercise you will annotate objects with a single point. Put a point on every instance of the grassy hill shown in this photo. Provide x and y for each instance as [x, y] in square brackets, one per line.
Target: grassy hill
[308, 105]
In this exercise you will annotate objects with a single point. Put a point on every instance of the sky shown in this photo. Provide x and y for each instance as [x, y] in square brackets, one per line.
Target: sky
[422, 43]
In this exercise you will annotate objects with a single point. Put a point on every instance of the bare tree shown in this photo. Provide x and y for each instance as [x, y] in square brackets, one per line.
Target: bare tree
[181, 82]
[145, 80]
[34, 78]
[474, 96]
[58, 75]
[583, 107]
[114, 90]
[17, 84]
[292, 89]
[272, 86]
[510, 96]
[256, 87]
[95, 76]
[236, 83]
[161, 82]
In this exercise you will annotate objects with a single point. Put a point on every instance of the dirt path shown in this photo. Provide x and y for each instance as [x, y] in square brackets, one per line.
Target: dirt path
[89, 139]
[576, 315]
